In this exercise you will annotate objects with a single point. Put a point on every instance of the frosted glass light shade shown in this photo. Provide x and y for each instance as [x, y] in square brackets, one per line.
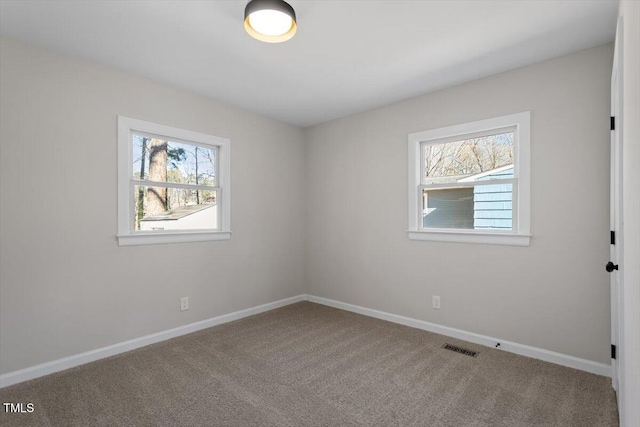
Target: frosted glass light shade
[271, 21]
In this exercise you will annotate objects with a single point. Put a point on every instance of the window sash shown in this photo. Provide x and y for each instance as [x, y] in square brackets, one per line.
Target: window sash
[215, 148]
[514, 205]
[218, 191]
[447, 185]
[472, 135]
[133, 182]
[169, 184]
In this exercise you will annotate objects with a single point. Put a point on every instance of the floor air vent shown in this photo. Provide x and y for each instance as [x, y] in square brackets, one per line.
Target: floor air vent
[460, 350]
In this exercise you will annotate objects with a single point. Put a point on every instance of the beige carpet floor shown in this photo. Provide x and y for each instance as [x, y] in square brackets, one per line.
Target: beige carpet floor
[311, 365]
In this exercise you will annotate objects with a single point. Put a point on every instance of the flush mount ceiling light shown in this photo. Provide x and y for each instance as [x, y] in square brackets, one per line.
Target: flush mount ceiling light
[271, 21]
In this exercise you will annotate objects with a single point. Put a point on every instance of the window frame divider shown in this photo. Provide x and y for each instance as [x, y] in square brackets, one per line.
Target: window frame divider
[168, 184]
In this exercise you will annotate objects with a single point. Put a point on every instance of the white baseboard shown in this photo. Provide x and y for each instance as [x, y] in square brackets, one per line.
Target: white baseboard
[111, 350]
[47, 368]
[512, 347]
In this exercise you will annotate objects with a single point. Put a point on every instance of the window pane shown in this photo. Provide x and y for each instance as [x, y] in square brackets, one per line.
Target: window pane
[464, 159]
[168, 161]
[448, 208]
[140, 154]
[481, 207]
[159, 208]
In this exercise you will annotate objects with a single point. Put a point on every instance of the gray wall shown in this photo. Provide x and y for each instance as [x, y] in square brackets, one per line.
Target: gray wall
[553, 294]
[65, 285]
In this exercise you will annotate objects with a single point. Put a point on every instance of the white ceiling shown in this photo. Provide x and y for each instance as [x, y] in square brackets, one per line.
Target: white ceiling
[347, 57]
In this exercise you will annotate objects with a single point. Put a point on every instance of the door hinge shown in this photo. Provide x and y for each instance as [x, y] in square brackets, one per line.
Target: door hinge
[613, 351]
[613, 123]
[613, 237]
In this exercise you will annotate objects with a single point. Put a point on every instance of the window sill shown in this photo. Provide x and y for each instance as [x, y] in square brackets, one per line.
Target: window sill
[471, 237]
[163, 238]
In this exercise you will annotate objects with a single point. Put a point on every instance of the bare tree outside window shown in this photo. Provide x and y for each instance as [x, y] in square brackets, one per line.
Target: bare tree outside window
[468, 157]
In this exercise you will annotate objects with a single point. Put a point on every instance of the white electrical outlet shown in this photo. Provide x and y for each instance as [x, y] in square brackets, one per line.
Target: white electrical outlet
[435, 301]
[184, 303]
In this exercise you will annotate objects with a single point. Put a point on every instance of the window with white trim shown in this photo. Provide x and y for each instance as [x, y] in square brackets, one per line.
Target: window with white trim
[173, 184]
[470, 183]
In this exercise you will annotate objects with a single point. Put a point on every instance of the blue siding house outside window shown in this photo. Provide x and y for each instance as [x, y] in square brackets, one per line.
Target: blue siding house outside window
[493, 204]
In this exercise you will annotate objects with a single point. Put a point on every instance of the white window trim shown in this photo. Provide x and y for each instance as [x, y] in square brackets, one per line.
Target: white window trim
[522, 173]
[127, 237]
